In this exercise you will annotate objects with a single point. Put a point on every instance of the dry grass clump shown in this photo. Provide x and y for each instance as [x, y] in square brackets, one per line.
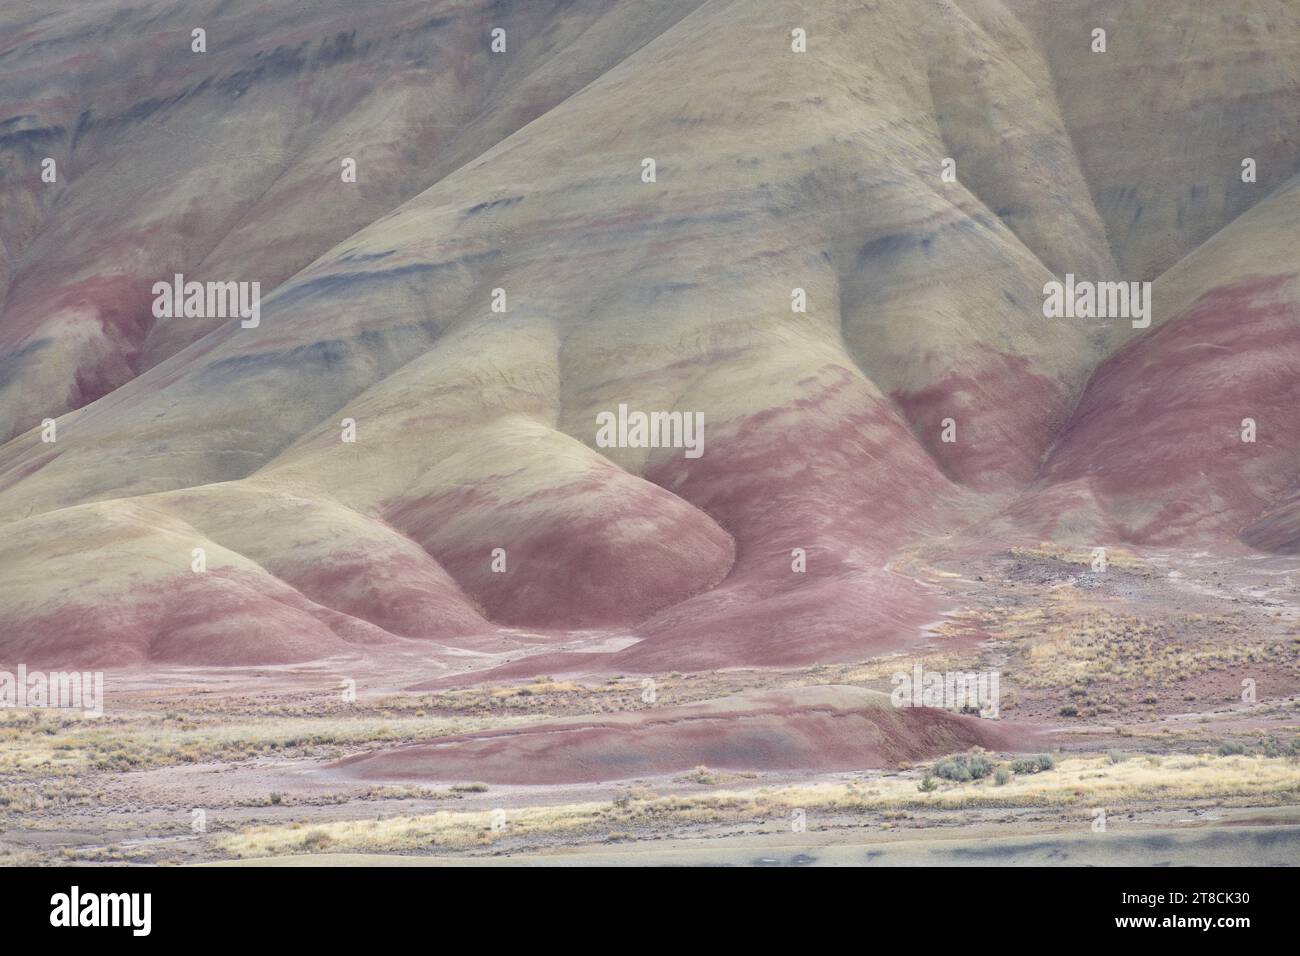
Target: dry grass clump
[1089, 779]
[712, 778]
[1117, 558]
[1060, 644]
[40, 743]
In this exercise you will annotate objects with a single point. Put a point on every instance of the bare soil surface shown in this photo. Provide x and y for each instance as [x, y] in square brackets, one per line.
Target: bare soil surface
[1133, 680]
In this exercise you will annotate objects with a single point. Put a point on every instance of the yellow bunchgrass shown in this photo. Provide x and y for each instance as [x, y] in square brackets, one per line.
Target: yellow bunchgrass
[1092, 780]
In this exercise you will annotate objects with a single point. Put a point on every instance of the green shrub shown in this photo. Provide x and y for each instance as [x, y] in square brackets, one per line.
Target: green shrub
[1272, 747]
[971, 766]
[950, 768]
[1034, 764]
[316, 840]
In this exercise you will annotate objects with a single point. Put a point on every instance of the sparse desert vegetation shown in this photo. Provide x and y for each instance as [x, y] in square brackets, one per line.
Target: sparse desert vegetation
[122, 788]
[998, 523]
[1074, 782]
[44, 739]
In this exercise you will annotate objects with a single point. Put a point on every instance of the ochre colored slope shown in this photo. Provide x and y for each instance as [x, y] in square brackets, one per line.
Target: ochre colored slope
[476, 429]
[821, 728]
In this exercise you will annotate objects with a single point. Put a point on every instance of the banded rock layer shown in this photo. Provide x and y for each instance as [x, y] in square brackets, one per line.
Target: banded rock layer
[522, 171]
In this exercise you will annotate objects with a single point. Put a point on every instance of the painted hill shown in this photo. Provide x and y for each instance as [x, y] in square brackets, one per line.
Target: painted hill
[476, 503]
[820, 728]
